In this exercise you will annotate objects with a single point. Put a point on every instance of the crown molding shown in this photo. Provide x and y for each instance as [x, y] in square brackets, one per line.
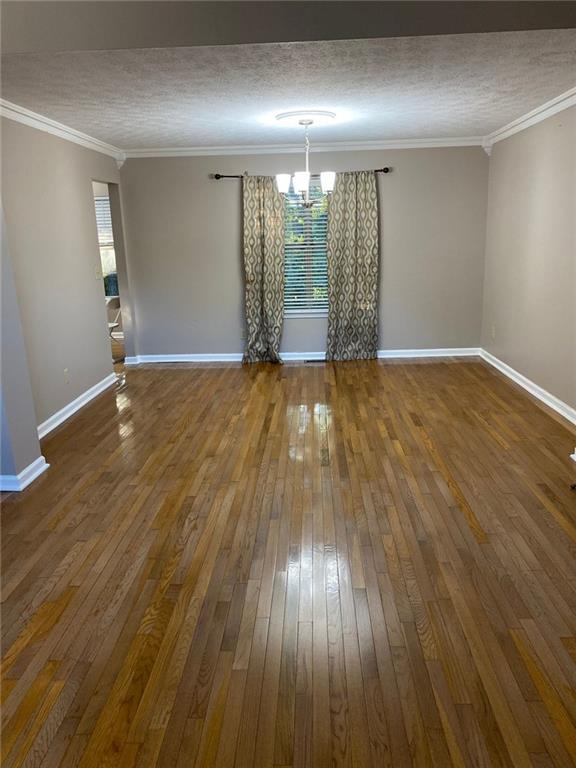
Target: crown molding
[552, 107]
[34, 120]
[275, 149]
[40, 122]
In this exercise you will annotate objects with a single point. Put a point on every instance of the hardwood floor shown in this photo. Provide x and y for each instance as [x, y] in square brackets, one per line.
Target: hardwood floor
[355, 564]
[117, 348]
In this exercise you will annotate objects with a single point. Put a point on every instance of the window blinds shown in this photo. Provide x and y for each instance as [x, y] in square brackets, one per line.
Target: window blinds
[305, 275]
[104, 222]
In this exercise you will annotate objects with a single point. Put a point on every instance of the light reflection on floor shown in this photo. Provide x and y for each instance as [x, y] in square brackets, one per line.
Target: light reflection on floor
[123, 403]
[320, 417]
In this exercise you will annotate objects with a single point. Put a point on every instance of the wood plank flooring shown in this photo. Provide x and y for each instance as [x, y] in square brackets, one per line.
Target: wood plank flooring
[356, 564]
[117, 349]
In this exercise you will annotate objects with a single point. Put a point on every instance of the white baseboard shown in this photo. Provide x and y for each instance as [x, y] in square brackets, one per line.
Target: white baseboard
[20, 481]
[235, 357]
[64, 413]
[543, 395]
[202, 357]
[291, 357]
[384, 354]
[23, 479]
[391, 354]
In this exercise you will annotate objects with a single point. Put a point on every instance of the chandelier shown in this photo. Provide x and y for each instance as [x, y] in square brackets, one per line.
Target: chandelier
[300, 180]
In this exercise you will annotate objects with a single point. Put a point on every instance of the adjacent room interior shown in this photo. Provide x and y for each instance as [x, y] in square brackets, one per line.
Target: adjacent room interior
[105, 232]
[288, 457]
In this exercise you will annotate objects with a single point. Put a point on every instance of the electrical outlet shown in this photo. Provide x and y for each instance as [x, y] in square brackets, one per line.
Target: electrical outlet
[66, 376]
[493, 332]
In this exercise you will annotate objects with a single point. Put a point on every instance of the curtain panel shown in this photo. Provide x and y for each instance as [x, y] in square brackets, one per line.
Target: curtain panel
[353, 261]
[263, 250]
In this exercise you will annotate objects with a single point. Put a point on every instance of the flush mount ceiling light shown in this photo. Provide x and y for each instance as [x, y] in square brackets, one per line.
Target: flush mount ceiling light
[317, 116]
[301, 179]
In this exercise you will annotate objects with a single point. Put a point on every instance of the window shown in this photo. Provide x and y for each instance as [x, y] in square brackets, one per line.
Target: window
[106, 244]
[104, 222]
[305, 272]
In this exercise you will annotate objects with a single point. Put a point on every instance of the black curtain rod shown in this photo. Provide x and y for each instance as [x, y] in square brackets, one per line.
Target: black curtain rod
[219, 176]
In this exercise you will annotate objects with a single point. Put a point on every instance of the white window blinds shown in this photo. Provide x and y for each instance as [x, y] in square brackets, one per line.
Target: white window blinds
[104, 222]
[305, 276]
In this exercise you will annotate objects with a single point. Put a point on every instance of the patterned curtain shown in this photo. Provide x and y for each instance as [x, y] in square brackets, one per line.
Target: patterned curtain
[263, 240]
[353, 255]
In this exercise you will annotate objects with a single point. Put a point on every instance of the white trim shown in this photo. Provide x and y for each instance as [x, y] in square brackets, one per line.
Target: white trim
[391, 354]
[552, 107]
[23, 479]
[36, 468]
[290, 357]
[272, 149]
[26, 116]
[42, 123]
[385, 354]
[534, 389]
[64, 413]
[236, 357]
[202, 357]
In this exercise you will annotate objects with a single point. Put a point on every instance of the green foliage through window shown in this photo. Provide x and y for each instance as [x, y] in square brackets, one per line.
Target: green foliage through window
[305, 283]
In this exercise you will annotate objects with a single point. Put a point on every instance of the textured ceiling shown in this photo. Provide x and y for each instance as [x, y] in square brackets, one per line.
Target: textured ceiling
[400, 88]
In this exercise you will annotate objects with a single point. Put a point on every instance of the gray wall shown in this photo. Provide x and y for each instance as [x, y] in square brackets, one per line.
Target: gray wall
[529, 318]
[19, 436]
[183, 233]
[51, 231]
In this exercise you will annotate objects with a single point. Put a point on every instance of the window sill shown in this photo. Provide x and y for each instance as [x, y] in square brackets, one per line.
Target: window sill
[297, 314]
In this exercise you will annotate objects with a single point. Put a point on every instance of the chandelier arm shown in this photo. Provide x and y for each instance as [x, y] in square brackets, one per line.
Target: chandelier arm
[307, 150]
[284, 180]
